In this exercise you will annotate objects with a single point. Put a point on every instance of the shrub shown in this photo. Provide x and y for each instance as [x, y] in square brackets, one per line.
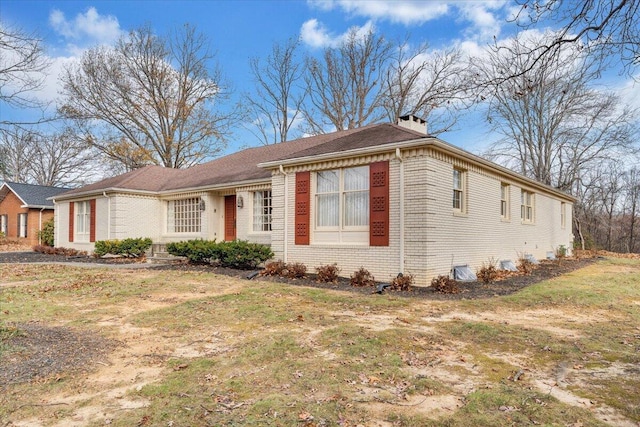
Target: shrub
[46, 234]
[445, 285]
[130, 248]
[50, 250]
[525, 266]
[197, 251]
[295, 270]
[236, 254]
[242, 254]
[328, 273]
[402, 282]
[362, 277]
[488, 273]
[273, 268]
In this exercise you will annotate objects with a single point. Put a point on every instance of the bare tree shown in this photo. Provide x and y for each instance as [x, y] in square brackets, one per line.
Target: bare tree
[150, 99]
[632, 207]
[275, 104]
[53, 159]
[22, 67]
[604, 28]
[16, 146]
[344, 88]
[430, 85]
[554, 124]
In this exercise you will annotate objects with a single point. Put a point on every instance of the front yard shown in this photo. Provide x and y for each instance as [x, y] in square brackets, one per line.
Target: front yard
[179, 348]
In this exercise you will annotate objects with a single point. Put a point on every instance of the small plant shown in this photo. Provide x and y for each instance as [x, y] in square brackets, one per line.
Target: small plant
[525, 266]
[46, 234]
[49, 250]
[402, 282]
[328, 273]
[296, 270]
[488, 273]
[273, 268]
[445, 285]
[362, 277]
[561, 252]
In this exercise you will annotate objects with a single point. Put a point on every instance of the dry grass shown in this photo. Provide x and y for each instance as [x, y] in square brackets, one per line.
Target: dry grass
[195, 348]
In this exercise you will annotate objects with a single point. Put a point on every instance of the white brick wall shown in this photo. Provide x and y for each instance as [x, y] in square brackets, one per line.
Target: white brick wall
[435, 238]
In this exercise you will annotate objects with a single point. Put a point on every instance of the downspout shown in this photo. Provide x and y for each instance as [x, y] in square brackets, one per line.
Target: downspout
[108, 215]
[285, 247]
[40, 226]
[400, 159]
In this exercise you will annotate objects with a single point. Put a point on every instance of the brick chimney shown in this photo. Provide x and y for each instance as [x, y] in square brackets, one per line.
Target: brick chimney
[414, 123]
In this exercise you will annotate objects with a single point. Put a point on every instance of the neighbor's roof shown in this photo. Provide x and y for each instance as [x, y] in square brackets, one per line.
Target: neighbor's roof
[242, 167]
[31, 196]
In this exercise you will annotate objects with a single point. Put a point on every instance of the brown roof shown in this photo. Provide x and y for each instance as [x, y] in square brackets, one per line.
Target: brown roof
[243, 165]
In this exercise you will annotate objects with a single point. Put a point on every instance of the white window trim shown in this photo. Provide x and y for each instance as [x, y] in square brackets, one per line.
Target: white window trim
[22, 225]
[505, 200]
[195, 209]
[527, 211]
[340, 234]
[253, 212]
[82, 220]
[462, 189]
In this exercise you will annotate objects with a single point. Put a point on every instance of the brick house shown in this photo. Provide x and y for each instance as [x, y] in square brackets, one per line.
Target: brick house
[387, 197]
[24, 208]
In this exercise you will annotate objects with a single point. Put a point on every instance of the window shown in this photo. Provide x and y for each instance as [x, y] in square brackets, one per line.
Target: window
[563, 215]
[262, 210]
[526, 206]
[22, 225]
[82, 221]
[458, 190]
[342, 198]
[3, 224]
[183, 216]
[504, 201]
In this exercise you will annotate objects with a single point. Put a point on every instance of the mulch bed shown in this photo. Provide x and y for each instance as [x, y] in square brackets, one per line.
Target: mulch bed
[468, 290]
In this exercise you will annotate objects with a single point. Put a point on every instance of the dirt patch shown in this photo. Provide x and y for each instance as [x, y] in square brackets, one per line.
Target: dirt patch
[37, 352]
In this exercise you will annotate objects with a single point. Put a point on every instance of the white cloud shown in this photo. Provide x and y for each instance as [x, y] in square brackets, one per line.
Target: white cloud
[89, 27]
[316, 35]
[483, 16]
[406, 12]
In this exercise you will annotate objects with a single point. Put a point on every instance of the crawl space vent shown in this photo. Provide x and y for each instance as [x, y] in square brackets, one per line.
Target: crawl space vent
[508, 265]
[463, 273]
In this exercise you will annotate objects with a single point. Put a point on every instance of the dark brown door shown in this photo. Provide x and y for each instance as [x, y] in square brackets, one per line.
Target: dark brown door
[230, 218]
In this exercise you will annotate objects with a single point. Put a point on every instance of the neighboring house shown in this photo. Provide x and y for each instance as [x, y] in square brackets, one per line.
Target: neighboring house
[24, 208]
[385, 197]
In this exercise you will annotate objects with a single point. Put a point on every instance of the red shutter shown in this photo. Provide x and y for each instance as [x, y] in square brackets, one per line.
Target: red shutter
[71, 218]
[92, 220]
[303, 200]
[379, 204]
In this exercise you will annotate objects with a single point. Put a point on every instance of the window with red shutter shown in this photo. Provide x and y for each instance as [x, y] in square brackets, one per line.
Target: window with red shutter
[379, 204]
[302, 201]
[92, 220]
[71, 221]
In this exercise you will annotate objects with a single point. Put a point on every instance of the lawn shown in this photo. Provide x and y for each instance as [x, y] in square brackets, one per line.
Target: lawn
[173, 348]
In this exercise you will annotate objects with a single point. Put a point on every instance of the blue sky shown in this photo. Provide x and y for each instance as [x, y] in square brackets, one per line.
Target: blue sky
[239, 30]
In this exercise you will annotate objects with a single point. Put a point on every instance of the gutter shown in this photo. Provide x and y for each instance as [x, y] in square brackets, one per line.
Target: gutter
[402, 240]
[285, 248]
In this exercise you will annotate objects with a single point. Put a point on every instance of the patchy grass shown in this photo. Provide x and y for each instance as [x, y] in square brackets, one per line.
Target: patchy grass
[196, 348]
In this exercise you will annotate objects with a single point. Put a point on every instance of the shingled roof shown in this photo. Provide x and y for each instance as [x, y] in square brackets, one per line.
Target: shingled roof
[32, 196]
[242, 166]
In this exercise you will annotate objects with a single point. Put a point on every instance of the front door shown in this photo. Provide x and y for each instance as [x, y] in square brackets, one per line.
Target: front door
[229, 218]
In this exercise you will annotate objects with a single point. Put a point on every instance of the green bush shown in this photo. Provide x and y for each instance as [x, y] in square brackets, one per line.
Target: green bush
[236, 254]
[46, 234]
[130, 248]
